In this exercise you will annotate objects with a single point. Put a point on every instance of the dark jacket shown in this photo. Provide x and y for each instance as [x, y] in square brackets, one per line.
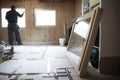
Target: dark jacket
[12, 16]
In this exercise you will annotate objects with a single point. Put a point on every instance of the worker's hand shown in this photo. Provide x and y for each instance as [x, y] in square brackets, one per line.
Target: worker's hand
[23, 13]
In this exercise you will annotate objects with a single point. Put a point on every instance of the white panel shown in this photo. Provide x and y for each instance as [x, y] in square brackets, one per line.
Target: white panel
[10, 66]
[36, 66]
[62, 63]
[55, 51]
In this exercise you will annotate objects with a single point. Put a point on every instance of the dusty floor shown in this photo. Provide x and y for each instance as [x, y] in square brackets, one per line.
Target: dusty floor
[43, 63]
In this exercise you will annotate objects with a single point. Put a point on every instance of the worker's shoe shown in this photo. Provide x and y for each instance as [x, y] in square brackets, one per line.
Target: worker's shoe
[10, 43]
[19, 43]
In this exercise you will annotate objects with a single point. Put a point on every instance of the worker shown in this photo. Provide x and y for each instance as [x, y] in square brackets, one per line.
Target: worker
[13, 27]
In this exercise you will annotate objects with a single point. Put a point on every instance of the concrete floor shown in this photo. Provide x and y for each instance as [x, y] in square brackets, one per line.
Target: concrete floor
[43, 63]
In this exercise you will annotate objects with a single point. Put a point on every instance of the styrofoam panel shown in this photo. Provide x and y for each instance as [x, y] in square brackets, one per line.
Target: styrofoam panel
[10, 66]
[37, 66]
[62, 63]
[27, 56]
[30, 77]
[22, 52]
[29, 60]
[55, 51]
[3, 77]
[29, 49]
[63, 78]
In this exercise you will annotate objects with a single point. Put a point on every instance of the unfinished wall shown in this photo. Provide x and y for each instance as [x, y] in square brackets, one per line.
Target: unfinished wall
[65, 14]
[78, 8]
[77, 13]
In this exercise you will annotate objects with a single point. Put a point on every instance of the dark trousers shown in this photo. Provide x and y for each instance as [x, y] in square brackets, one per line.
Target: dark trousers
[13, 28]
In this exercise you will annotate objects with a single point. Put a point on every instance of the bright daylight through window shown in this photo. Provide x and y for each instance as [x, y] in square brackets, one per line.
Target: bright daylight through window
[21, 20]
[45, 17]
